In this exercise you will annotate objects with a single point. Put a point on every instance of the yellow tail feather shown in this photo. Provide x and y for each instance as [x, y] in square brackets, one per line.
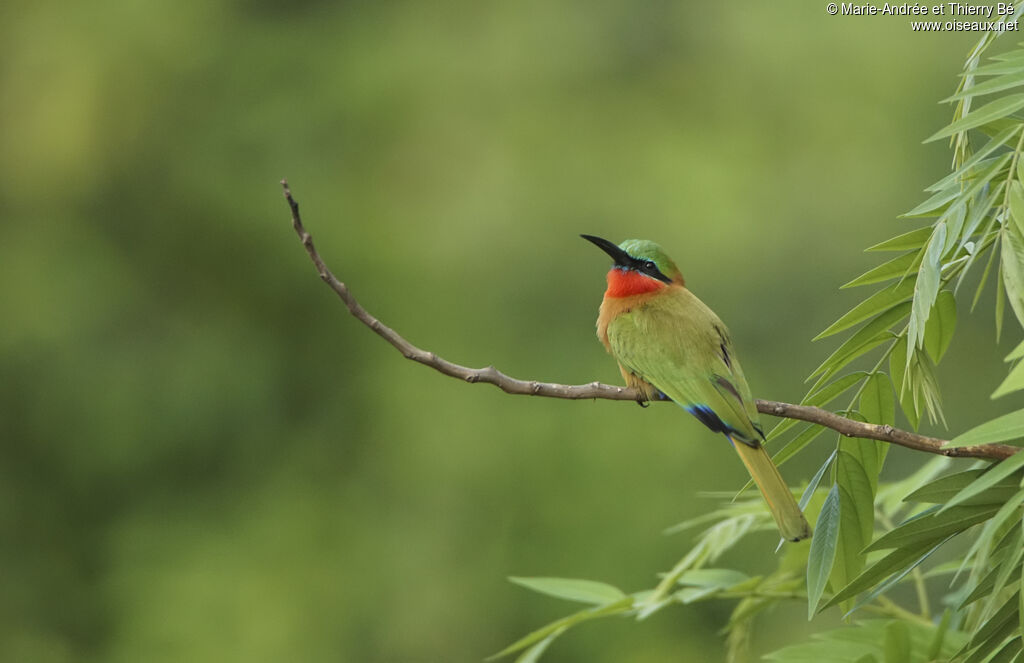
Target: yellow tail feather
[784, 508]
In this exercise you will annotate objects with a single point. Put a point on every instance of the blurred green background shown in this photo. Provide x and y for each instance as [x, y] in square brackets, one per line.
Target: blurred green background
[204, 458]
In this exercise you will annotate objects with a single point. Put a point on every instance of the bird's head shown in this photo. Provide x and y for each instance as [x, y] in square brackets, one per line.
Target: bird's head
[640, 266]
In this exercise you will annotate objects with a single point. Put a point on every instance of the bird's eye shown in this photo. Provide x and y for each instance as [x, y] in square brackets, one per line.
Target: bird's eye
[650, 266]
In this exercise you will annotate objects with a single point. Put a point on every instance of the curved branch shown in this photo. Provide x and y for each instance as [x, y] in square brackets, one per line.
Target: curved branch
[591, 390]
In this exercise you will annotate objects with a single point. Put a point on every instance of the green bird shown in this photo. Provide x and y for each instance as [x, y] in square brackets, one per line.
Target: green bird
[670, 344]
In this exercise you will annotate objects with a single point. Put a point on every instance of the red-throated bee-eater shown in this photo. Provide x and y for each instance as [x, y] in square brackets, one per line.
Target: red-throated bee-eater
[667, 341]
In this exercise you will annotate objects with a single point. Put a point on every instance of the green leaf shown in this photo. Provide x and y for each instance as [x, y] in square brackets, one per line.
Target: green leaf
[894, 562]
[892, 269]
[926, 288]
[702, 583]
[533, 654]
[998, 84]
[954, 218]
[989, 479]
[981, 211]
[828, 393]
[933, 205]
[1013, 268]
[819, 398]
[1000, 299]
[944, 488]
[935, 646]
[822, 553]
[1009, 566]
[980, 180]
[862, 642]
[991, 111]
[560, 625]
[1010, 56]
[572, 589]
[914, 239]
[1001, 429]
[882, 300]
[1008, 653]
[995, 68]
[815, 480]
[797, 444]
[877, 403]
[963, 173]
[1017, 204]
[984, 276]
[857, 497]
[894, 579]
[897, 642]
[933, 526]
[938, 331]
[898, 371]
[1006, 614]
[982, 549]
[867, 337]
[1016, 353]
[1013, 382]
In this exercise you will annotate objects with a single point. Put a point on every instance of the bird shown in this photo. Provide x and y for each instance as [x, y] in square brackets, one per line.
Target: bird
[669, 344]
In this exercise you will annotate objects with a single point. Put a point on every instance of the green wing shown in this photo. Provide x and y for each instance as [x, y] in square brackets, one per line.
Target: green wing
[680, 346]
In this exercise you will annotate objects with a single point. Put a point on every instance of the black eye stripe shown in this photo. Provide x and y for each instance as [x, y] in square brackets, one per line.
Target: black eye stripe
[650, 268]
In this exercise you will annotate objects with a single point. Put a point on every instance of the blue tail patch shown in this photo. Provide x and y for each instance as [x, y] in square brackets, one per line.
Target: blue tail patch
[708, 417]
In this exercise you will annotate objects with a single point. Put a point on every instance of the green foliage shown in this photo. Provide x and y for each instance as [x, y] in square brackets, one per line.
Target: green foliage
[873, 540]
[874, 640]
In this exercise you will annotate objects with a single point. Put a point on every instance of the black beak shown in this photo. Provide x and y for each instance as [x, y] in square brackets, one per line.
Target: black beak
[621, 258]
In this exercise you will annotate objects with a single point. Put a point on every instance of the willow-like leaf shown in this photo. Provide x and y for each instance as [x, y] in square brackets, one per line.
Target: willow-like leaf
[1013, 268]
[572, 589]
[998, 84]
[891, 269]
[938, 331]
[564, 623]
[963, 173]
[820, 398]
[881, 301]
[1016, 197]
[862, 340]
[996, 69]
[933, 526]
[913, 239]
[877, 402]
[856, 495]
[1013, 382]
[934, 205]
[991, 111]
[894, 562]
[926, 287]
[823, 550]
[898, 370]
[943, 489]
[1005, 428]
[989, 479]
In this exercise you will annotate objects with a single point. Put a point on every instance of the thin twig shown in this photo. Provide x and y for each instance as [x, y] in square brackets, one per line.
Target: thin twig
[593, 390]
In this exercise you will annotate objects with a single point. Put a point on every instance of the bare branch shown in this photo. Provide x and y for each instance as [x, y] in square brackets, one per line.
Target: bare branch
[592, 390]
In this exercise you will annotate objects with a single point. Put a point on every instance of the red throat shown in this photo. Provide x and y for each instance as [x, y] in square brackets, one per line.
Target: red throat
[627, 282]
